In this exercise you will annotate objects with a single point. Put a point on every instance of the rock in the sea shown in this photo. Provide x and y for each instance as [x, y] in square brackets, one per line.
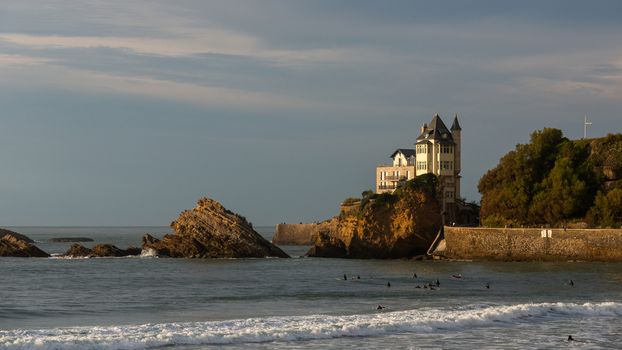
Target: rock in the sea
[100, 251]
[388, 226]
[327, 246]
[211, 231]
[18, 245]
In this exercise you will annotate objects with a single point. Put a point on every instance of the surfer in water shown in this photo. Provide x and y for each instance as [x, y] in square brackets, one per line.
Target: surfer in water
[388, 284]
[571, 283]
[380, 307]
[415, 275]
[487, 285]
[345, 278]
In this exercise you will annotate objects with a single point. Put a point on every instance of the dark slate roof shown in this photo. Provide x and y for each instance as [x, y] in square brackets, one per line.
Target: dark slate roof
[436, 131]
[455, 125]
[407, 152]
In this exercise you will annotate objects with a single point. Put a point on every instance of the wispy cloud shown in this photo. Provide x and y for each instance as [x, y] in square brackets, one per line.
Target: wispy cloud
[198, 41]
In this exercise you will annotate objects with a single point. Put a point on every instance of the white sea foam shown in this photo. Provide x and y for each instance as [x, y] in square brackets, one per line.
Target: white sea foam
[294, 328]
[149, 253]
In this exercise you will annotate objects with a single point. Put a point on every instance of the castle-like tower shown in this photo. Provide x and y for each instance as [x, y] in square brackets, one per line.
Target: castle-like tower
[437, 151]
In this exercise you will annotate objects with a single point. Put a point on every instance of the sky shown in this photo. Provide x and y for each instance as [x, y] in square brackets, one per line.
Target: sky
[125, 112]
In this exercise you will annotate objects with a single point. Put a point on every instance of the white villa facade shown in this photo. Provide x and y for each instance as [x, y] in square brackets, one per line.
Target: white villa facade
[437, 151]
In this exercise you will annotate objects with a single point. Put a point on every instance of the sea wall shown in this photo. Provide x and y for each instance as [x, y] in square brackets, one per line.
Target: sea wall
[528, 244]
[295, 234]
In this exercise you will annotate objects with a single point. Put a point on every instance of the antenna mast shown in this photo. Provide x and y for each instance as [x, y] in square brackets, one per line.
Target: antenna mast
[585, 124]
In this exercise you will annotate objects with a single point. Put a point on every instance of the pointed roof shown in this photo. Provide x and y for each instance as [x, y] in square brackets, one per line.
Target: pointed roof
[437, 131]
[407, 152]
[455, 125]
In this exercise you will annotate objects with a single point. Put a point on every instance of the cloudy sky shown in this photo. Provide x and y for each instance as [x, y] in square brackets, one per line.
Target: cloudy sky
[125, 112]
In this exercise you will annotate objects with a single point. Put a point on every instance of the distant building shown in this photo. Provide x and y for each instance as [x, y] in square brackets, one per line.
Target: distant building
[437, 151]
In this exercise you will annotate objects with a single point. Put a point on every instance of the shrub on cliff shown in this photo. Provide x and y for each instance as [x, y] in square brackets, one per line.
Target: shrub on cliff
[607, 209]
[551, 180]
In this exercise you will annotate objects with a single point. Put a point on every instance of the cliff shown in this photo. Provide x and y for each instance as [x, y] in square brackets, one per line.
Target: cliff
[17, 245]
[211, 231]
[386, 226]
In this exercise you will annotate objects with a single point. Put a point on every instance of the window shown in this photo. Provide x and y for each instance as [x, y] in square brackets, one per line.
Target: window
[447, 149]
[446, 165]
[449, 194]
[421, 166]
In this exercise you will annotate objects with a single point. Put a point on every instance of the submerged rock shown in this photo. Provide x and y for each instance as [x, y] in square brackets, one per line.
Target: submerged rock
[100, 251]
[211, 231]
[17, 245]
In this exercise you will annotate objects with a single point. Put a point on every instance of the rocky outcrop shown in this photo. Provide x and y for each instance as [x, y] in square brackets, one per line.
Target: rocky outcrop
[211, 231]
[17, 245]
[100, 251]
[402, 225]
[327, 246]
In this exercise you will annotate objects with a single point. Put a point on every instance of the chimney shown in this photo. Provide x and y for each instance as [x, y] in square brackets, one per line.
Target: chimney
[424, 127]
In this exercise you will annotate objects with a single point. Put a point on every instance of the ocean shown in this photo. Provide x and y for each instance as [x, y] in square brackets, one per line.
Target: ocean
[299, 303]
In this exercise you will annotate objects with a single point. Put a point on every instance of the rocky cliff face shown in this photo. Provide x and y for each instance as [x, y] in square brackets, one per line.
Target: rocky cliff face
[17, 245]
[401, 225]
[211, 231]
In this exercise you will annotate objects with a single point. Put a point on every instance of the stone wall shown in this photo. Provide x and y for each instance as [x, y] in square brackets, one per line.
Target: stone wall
[295, 234]
[516, 244]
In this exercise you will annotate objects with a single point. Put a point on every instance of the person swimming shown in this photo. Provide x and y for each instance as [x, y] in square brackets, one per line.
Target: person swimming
[487, 285]
[415, 275]
[388, 284]
[358, 277]
[570, 338]
[571, 283]
[345, 278]
[380, 307]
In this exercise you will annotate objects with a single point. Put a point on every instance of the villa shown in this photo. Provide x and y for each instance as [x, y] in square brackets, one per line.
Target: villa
[437, 151]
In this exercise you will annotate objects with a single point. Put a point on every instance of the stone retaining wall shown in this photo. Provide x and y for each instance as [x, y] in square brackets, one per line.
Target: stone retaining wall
[295, 234]
[515, 244]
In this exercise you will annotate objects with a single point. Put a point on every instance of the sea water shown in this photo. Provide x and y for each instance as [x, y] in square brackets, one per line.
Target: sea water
[159, 303]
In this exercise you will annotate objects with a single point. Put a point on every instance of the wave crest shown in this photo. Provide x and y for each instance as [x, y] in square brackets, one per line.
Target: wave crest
[291, 328]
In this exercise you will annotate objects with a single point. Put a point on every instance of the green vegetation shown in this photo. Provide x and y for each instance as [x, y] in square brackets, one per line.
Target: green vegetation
[426, 183]
[553, 180]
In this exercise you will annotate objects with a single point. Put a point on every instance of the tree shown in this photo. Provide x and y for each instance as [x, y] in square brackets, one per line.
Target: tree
[548, 181]
[607, 209]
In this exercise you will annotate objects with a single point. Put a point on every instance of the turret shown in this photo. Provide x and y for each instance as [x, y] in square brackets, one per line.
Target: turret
[456, 132]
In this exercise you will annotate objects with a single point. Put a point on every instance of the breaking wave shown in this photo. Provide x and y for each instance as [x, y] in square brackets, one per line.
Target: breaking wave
[293, 328]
